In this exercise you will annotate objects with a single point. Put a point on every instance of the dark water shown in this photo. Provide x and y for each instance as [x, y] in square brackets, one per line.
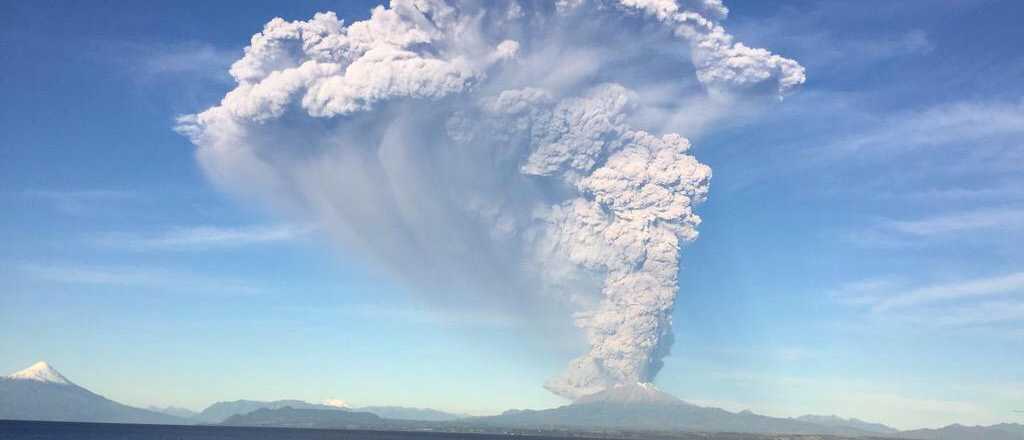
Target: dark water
[19, 430]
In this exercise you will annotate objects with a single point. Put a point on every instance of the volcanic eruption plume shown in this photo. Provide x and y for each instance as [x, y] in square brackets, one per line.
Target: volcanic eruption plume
[495, 149]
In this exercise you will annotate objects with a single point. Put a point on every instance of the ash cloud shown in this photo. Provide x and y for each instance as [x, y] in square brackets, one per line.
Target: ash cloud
[491, 152]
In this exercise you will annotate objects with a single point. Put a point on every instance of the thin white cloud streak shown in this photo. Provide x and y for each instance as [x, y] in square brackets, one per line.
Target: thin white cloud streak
[776, 354]
[953, 142]
[196, 58]
[122, 276]
[980, 301]
[80, 202]
[84, 194]
[207, 237]
[984, 313]
[412, 315]
[980, 287]
[885, 294]
[134, 277]
[913, 42]
[1002, 192]
[959, 222]
[951, 123]
[865, 292]
[824, 49]
[149, 60]
[963, 225]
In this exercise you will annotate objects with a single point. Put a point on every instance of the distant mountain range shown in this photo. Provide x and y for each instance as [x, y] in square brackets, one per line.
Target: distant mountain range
[1002, 431]
[839, 422]
[183, 413]
[407, 413]
[221, 411]
[644, 408]
[289, 417]
[755, 426]
[40, 392]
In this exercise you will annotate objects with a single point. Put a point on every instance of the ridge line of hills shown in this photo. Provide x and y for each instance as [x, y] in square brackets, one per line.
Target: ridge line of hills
[40, 392]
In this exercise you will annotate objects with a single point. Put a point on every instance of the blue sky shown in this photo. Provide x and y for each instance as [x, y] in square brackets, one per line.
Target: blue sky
[860, 251]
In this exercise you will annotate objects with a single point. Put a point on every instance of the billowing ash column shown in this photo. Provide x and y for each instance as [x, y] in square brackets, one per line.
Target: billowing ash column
[633, 209]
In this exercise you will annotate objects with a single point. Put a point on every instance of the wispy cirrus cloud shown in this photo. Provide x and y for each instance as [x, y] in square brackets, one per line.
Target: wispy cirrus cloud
[967, 224]
[974, 288]
[959, 222]
[984, 313]
[950, 123]
[965, 150]
[80, 201]
[82, 194]
[826, 49]
[884, 294]
[996, 299]
[866, 292]
[205, 237]
[1000, 192]
[168, 60]
[190, 58]
[769, 353]
[414, 315]
[135, 277]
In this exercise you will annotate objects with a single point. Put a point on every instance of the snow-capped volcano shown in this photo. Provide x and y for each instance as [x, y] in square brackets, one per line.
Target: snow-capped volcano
[638, 393]
[41, 372]
[40, 392]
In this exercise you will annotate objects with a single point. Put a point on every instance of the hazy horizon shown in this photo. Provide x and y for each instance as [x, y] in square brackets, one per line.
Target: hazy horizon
[482, 210]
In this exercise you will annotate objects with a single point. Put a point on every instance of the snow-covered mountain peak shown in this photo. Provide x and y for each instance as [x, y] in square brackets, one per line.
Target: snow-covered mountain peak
[337, 403]
[638, 393]
[41, 372]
